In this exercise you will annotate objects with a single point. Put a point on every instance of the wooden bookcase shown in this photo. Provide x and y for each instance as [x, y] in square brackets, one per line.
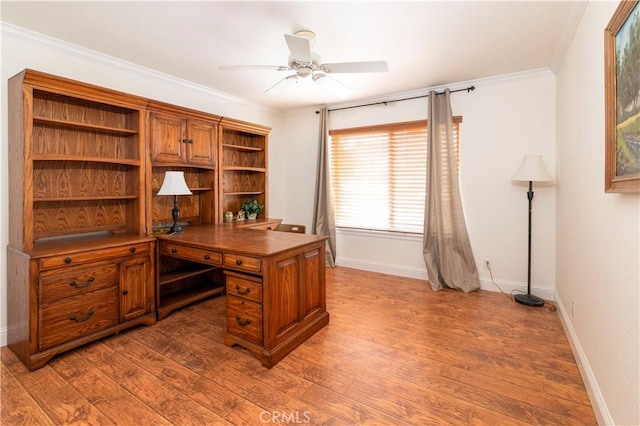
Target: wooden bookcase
[80, 259]
[85, 166]
[243, 173]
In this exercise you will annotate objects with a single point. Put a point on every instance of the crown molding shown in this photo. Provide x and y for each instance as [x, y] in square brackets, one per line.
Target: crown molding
[10, 30]
[398, 96]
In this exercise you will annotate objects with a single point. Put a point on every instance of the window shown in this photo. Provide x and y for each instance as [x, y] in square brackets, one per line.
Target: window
[379, 175]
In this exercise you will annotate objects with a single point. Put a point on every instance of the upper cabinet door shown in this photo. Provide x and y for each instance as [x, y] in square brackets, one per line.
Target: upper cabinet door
[201, 146]
[168, 138]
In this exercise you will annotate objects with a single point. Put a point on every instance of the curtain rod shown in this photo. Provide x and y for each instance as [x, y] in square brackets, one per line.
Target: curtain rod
[466, 89]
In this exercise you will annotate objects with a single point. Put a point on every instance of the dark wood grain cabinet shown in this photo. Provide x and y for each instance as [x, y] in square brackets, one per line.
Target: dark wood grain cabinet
[76, 214]
[274, 281]
[88, 251]
[179, 139]
[63, 295]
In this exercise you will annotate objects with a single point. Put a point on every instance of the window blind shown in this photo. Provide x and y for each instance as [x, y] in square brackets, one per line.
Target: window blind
[379, 174]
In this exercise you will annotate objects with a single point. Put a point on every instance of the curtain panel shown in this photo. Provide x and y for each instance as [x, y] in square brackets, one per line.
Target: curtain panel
[446, 247]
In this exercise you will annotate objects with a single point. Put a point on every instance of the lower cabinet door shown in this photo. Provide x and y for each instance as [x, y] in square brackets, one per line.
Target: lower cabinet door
[136, 288]
[77, 316]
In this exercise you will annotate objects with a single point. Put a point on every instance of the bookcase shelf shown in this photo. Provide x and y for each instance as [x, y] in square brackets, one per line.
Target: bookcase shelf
[243, 174]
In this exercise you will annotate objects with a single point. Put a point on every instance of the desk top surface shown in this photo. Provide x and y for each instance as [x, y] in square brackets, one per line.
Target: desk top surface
[241, 240]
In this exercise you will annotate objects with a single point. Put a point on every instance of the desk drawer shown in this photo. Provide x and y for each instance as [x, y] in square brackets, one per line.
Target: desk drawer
[76, 280]
[78, 316]
[247, 287]
[244, 263]
[244, 319]
[191, 253]
[92, 255]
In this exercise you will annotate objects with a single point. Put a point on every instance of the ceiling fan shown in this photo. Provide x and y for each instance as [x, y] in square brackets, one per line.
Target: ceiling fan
[307, 66]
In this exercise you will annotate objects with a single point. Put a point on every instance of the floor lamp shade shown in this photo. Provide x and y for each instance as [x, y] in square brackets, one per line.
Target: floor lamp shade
[174, 184]
[531, 170]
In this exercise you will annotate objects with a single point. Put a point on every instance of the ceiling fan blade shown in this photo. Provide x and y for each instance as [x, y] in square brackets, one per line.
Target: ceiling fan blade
[282, 84]
[253, 67]
[334, 86]
[346, 67]
[299, 47]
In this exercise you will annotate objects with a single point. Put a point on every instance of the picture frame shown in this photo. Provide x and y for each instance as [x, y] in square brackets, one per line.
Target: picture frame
[622, 99]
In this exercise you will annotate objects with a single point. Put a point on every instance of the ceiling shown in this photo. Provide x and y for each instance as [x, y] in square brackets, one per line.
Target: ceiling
[426, 43]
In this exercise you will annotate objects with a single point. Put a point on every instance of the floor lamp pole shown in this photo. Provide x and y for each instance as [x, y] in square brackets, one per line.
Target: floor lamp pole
[529, 299]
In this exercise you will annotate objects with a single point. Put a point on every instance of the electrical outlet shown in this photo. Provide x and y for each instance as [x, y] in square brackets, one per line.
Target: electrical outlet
[487, 264]
[573, 308]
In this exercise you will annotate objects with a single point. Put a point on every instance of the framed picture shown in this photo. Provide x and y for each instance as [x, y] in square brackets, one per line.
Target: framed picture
[622, 99]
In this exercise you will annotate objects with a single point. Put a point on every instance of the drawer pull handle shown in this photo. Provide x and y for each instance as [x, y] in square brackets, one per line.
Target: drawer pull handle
[242, 323]
[206, 257]
[81, 319]
[245, 291]
[73, 283]
[67, 260]
[174, 250]
[125, 292]
[132, 249]
[238, 262]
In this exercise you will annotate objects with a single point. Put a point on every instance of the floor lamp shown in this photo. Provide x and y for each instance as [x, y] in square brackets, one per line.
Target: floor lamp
[531, 169]
[174, 184]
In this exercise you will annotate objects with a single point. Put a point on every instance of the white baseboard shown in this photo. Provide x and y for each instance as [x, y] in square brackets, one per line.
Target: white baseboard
[514, 287]
[508, 287]
[383, 268]
[591, 385]
[3, 336]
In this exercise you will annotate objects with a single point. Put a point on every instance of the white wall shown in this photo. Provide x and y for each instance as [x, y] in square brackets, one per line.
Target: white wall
[598, 234]
[22, 49]
[503, 119]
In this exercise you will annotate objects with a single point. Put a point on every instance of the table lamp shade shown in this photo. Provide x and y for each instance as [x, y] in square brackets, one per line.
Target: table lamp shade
[532, 169]
[174, 184]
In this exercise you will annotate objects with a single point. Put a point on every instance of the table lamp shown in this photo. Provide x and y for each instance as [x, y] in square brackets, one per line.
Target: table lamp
[531, 169]
[174, 184]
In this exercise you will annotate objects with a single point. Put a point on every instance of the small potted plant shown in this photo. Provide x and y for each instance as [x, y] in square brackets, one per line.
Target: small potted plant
[252, 208]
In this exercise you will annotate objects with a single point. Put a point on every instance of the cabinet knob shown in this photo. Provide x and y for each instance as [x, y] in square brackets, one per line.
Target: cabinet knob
[132, 249]
[125, 292]
[68, 260]
[206, 257]
[238, 262]
[174, 250]
[185, 141]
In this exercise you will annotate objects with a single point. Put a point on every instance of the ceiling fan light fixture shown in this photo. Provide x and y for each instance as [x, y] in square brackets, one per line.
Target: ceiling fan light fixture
[309, 35]
[304, 72]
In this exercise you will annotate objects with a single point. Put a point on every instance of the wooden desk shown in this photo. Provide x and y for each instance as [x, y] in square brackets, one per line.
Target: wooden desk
[275, 283]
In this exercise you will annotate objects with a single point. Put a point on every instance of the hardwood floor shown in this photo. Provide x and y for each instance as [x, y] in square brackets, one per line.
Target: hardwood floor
[393, 353]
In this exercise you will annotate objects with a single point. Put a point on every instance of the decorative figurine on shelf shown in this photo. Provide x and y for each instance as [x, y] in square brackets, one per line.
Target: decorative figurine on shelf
[240, 215]
[228, 216]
